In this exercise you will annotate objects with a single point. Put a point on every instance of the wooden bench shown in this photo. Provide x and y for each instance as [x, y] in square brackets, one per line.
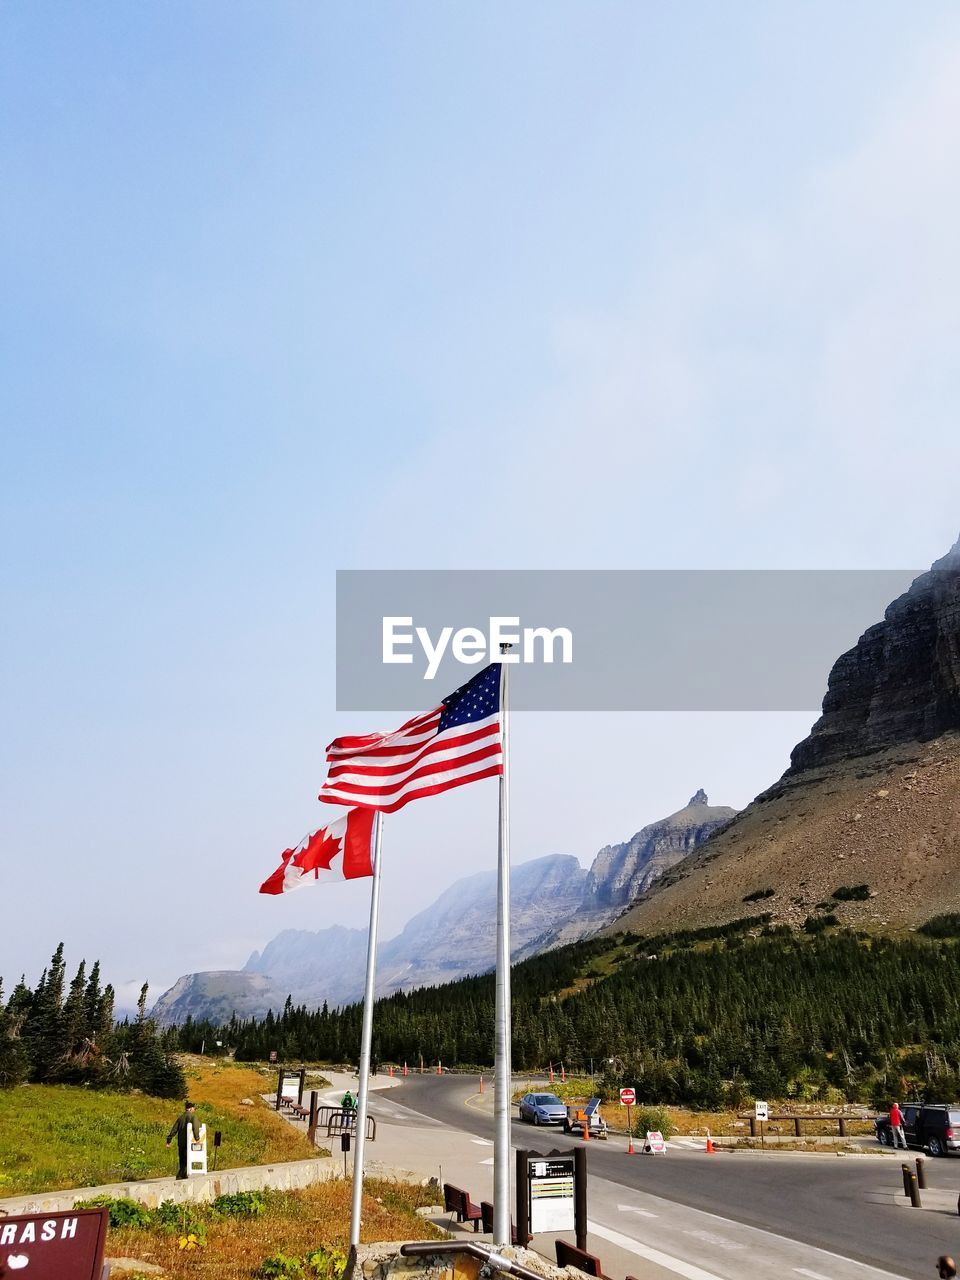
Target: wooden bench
[568, 1255]
[456, 1200]
[486, 1217]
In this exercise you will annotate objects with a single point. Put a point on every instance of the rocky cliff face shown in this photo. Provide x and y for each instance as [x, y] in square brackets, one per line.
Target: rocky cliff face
[871, 798]
[901, 681]
[621, 872]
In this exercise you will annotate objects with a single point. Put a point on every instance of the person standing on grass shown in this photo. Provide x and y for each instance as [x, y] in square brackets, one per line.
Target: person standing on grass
[896, 1127]
[182, 1127]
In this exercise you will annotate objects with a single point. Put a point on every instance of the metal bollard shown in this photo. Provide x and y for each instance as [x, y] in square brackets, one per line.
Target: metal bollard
[921, 1173]
[914, 1192]
[905, 1171]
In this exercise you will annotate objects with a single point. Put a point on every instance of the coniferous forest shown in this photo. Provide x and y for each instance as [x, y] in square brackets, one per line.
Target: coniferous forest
[708, 1018]
[60, 1033]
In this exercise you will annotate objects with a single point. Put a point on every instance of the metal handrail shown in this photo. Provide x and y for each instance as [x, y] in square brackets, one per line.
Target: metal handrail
[490, 1256]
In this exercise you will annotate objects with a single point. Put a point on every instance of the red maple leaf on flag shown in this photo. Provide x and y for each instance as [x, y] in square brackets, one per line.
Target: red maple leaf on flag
[318, 852]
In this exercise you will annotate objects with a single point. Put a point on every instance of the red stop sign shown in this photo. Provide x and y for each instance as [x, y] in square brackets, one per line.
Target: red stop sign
[628, 1097]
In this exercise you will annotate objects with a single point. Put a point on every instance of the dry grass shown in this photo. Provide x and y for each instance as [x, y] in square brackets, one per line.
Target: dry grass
[58, 1136]
[295, 1224]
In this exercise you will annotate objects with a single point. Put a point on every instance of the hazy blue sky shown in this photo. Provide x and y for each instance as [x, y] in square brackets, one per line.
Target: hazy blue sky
[676, 284]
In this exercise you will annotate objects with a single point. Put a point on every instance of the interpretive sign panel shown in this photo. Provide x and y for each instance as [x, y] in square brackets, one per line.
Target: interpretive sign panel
[53, 1246]
[551, 1183]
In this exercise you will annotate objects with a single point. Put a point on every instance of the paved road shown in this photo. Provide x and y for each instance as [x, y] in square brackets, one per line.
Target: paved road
[844, 1205]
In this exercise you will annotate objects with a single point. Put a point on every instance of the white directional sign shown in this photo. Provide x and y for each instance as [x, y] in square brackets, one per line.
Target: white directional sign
[761, 1110]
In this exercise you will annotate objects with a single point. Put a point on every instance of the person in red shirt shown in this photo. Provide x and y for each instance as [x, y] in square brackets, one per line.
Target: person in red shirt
[896, 1127]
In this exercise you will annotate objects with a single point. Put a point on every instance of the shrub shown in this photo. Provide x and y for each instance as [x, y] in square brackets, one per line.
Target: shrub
[852, 893]
[242, 1204]
[945, 926]
[281, 1267]
[182, 1219]
[652, 1120]
[817, 924]
[759, 894]
[327, 1264]
[122, 1211]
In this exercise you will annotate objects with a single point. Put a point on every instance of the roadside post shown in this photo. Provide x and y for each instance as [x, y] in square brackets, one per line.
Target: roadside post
[905, 1174]
[761, 1113]
[627, 1098]
[921, 1173]
[345, 1147]
[217, 1140]
[312, 1122]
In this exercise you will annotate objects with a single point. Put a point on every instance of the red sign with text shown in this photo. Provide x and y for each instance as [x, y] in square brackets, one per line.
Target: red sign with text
[628, 1097]
[53, 1246]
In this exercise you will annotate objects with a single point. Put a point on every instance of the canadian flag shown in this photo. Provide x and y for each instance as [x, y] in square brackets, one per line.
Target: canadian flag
[341, 851]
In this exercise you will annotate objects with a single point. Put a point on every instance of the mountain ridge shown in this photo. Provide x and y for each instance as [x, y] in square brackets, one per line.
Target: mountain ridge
[553, 899]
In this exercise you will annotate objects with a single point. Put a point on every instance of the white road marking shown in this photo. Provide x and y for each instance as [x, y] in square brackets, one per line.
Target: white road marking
[481, 1142]
[814, 1275]
[711, 1238]
[676, 1265]
[490, 1161]
[632, 1208]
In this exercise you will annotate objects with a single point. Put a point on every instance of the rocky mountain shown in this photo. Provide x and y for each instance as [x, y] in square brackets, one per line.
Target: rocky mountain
[217, 995]
[621, 872]
[315, 965]
[456, 935]
[871, 797]
[553, 900]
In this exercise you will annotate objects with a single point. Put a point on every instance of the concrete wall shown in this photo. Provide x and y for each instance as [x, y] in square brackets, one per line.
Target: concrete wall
[201, 1188]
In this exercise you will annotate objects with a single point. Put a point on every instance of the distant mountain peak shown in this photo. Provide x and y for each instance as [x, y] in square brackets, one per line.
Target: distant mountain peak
[699, 798]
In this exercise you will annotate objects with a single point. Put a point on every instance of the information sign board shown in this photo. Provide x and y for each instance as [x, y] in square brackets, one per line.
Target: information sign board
[54, 1246]
[551, 1185]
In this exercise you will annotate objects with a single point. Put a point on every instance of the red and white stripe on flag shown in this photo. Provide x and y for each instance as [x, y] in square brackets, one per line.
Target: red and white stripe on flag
[457, 742]
[341, 851]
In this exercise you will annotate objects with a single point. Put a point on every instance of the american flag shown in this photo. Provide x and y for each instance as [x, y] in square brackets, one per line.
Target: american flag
[455, 743]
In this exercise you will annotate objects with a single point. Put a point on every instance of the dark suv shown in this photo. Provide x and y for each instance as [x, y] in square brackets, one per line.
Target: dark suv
[932, 1126]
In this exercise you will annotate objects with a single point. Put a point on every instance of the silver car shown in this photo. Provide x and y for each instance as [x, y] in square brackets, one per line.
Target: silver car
[542, 1108]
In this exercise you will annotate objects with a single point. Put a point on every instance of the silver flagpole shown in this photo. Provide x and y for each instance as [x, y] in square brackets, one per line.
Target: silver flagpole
[365, 1038]
[502, 1039]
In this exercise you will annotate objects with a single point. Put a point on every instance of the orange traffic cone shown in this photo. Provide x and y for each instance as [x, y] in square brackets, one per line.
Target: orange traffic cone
[551, 1075]
[391, 1073]
[563, 1076]
[404, 1068]
[439, 1069]
[630, 1146]
[586, 1128]
[481, 1082]
[711, 1149]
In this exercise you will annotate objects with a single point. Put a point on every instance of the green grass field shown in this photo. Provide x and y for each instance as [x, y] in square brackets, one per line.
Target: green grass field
[58, 1136]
